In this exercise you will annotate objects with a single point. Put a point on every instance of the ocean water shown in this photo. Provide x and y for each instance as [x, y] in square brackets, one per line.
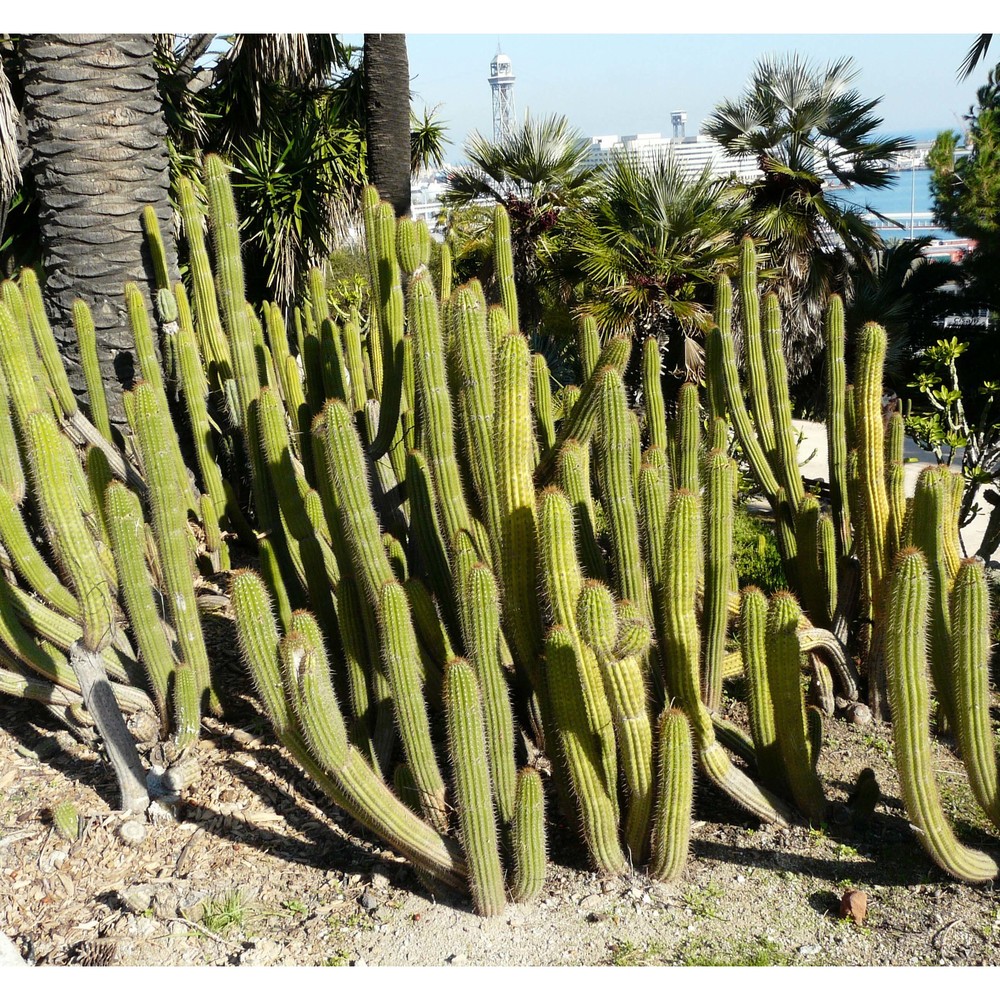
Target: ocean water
[910, 190]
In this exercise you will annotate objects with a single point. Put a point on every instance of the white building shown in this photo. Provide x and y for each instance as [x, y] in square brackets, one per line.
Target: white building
[692, 153]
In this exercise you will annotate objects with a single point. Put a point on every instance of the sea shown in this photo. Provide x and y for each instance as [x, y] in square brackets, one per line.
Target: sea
[909, 192]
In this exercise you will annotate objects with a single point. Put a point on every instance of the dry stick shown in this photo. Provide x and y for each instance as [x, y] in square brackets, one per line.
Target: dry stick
[100, 702]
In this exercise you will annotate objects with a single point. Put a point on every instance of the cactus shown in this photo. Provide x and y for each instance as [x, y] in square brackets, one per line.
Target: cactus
[909, 699]
[155, 436]
[784, 683]
[674, 798]
[836, 428]
[467, 746]
[528, 837]
[503, 264]
[718, 561]
[970, 645]
[598, 808]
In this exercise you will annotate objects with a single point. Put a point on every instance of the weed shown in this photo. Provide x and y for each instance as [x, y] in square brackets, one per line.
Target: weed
[877, 743]
[758, 951]
[338, 958]
[624, 953]
[701, 902]
[845, 851]
[295, 906]
[223, 913]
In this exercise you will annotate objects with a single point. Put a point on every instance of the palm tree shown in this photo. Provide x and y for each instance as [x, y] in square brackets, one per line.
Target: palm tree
[98, 155]
[10, 167]
[648, 249]
[387, 118]
[804, 125]
[537, 172]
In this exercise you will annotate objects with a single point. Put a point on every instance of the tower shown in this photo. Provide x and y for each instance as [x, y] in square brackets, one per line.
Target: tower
[502, 84]
[679, 121]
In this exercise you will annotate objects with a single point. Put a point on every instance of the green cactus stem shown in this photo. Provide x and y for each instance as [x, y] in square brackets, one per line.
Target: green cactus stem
[929, 533]
[754, 351]
[519, 573]
[652, 390]
[574, 481]
[718, 564]
[72, 543]
[753, 645]
[528, 837]
[29, 562]
[157, 442]
[503, 266]
[483, 646]
[781, 407]
[588, 342]
[871, 457]
[616, 475]
[542, 392]
[477, 821]
[970, 644]
[784, 682]
[434, 405]
[671, 836]
[401, 661]
[582, 421]
[598, 809]
[688, 422]
[836, 427]
[333, 763]
[909, 699]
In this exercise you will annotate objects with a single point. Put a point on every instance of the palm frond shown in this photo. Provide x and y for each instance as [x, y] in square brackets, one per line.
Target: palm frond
[977, 52]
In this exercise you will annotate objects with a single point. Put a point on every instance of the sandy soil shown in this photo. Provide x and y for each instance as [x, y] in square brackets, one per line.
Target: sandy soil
[256, 870]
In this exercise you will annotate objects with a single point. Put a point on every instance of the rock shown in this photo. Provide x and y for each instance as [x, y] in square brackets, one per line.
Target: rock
[368, 902]
[132, 832]
[9, 955]
[858, 714]
[810, 949]
[378, 880]
[458, 959]
[137, 898]
[260, 952]
[854, 905]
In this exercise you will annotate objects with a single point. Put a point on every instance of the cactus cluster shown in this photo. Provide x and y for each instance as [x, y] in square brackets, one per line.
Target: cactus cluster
[417, 482]
[101, 536]
[878, 569]
[473, 586]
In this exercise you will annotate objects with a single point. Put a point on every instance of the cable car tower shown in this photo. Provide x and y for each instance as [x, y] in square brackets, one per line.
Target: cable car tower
[502, 84]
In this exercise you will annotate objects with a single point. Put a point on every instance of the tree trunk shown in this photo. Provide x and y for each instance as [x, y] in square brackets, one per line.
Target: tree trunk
[98, 155]
[387, 118]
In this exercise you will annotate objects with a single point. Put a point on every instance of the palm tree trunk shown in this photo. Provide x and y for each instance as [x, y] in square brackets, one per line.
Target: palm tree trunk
[98, 155]
[387, 118]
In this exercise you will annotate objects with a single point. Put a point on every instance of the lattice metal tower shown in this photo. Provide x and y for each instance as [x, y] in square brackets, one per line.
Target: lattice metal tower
[678, 119]
[502, 84]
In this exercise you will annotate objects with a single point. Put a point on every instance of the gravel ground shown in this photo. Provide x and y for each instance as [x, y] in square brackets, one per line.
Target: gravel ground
[254, 869]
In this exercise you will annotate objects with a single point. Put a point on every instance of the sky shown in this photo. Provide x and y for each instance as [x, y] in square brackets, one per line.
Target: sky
[627, 63]
[628, 83]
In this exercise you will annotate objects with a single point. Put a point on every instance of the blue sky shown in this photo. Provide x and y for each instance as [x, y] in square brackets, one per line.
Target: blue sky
[627, 65]
[625, 83]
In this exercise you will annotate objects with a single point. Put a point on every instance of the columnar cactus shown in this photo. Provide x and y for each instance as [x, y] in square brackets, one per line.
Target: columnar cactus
[909, 698]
